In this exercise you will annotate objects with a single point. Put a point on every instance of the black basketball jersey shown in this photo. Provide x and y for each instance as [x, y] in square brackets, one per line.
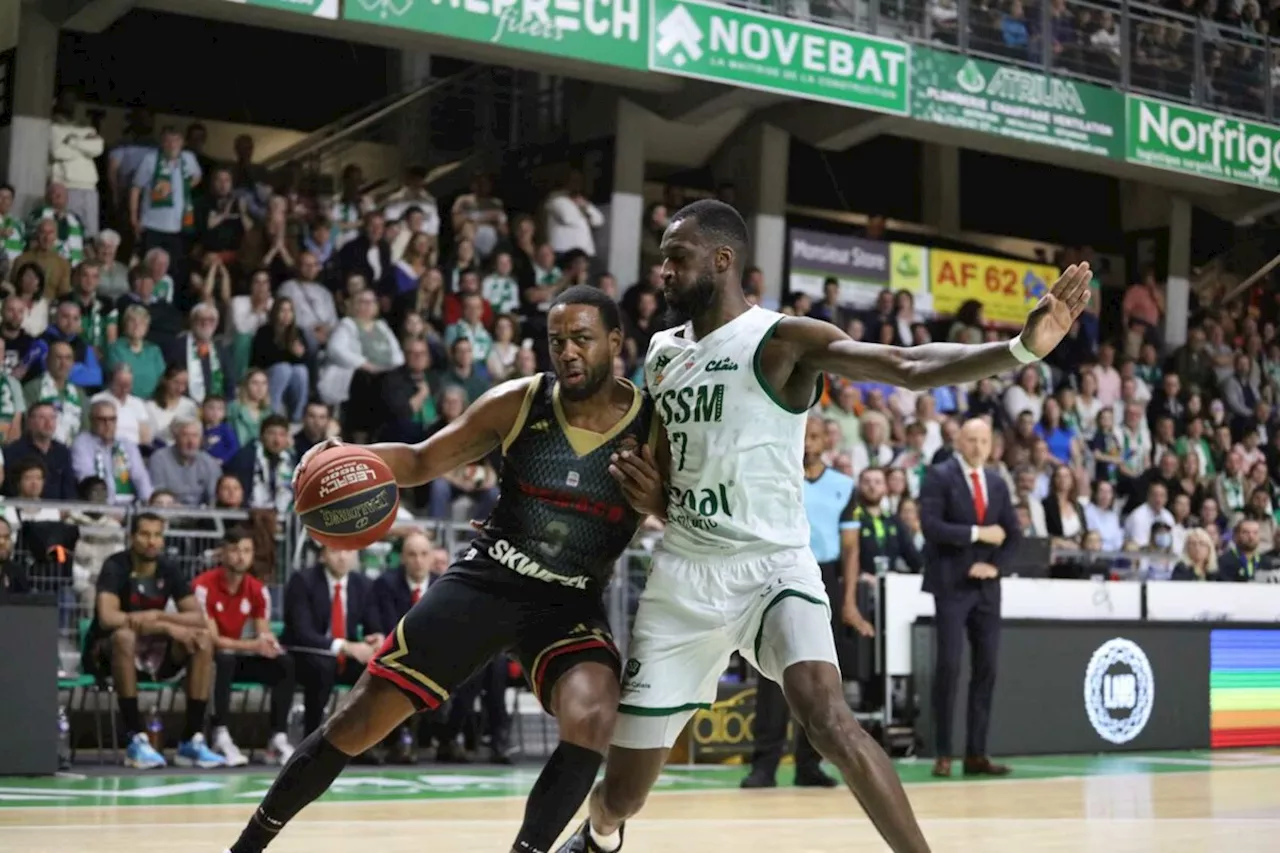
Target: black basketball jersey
[561, 517]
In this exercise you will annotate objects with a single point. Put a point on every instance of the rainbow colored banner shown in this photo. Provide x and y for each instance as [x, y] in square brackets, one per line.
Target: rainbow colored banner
[1244, 688]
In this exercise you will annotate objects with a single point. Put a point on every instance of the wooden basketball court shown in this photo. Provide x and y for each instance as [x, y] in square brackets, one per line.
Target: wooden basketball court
[1220, 809]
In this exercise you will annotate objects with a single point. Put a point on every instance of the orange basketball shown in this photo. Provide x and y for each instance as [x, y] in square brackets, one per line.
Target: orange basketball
[347, 497]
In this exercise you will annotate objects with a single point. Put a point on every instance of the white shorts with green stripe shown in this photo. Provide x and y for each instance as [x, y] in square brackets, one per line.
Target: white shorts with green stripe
[695, 613]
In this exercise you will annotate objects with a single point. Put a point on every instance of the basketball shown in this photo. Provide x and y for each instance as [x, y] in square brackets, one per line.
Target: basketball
[347, 498]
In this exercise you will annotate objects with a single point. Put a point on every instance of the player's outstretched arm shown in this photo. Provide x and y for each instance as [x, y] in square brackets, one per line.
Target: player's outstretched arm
[821, 346]
[474, 434]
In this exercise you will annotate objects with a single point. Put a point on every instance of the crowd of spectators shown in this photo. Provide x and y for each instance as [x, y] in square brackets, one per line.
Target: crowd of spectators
[1109, 445]
[177, 331]
[1237, 69]
[182, 337]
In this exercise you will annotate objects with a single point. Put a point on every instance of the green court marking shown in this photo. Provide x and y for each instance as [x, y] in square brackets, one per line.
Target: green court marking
[430, 783]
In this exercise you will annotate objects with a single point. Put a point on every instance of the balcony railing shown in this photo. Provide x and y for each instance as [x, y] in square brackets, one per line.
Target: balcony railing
[1177, 55]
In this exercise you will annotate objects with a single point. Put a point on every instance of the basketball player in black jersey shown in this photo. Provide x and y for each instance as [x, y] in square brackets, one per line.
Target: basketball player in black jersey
[531, 582]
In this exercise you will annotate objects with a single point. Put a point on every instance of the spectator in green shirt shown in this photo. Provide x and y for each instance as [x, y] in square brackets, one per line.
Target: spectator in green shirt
[132, 348]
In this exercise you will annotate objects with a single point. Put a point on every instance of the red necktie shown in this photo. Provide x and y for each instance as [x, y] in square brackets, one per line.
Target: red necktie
[979, 502]
[338, 621]
[417, 593]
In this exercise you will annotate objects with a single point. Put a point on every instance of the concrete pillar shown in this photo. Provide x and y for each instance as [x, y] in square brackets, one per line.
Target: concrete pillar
[411, 69]
[1178, 285]
[941, 173]
[626, 205]
[755, 163]
[767, 219]
[24, 143]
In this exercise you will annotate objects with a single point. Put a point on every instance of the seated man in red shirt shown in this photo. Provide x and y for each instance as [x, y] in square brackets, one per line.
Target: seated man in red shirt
[231, 597]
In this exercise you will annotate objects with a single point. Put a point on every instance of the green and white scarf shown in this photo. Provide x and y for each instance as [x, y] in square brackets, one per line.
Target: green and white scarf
[268, 492]
[195, 371]
[1233, 494]
[93, 324]
[502, 292]
[163, 291]
[119, 472]
[13, 237]
[69, 403]
[70, 232]
[11, 399]
[161, 192]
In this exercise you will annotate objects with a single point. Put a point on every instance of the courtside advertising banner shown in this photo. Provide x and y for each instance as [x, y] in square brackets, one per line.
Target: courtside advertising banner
[1091, 687]
[1083, 687]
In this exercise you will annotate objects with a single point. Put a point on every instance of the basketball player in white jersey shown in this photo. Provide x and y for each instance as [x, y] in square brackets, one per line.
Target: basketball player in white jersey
[732, 386]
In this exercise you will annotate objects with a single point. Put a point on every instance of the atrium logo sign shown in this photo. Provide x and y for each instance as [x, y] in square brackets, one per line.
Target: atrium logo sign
[1044, 109]
[970, 78]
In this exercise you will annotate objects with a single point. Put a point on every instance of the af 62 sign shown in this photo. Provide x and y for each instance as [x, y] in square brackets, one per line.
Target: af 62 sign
[1007, 289]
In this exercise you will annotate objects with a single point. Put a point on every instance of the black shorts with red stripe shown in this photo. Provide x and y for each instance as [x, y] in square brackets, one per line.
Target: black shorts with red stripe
[480, 609]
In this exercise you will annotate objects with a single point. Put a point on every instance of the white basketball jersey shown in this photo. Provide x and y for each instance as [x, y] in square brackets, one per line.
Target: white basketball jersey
[736, 479]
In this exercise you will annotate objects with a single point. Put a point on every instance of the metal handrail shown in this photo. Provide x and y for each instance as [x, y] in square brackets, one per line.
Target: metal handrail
[342, 128]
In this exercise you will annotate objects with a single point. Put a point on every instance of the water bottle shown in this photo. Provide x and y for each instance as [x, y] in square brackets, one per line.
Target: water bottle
[155, 730]
[64, 739]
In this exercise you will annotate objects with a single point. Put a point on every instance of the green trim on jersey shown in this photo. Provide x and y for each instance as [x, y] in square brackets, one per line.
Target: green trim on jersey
[764, 382]
[786, 593]
[636, 711]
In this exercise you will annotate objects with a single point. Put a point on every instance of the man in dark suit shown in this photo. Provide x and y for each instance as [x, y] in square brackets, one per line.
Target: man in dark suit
[330, 628]
[970, 529]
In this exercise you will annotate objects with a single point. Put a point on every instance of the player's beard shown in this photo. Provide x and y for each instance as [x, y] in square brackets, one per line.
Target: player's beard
[691, 303]
[597, 376]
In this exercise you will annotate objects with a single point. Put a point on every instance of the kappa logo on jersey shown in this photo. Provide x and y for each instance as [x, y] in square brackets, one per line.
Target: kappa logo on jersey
[659, 363]
[538, 426]
[722, 364]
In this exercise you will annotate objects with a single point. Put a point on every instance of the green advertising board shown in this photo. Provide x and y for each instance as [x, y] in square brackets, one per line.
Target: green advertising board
[725, 44]
[610, 32]
[1185, 139]
[957, 91]
[314, 8]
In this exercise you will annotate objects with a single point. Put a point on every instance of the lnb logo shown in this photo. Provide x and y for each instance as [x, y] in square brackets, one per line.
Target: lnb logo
[680, 37]
[1119, 690]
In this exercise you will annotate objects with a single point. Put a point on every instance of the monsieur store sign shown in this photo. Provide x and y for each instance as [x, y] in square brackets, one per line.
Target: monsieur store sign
[1192, 141]
[723, 44]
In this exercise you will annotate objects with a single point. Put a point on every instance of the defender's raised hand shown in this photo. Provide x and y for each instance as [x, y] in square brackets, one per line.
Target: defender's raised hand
[1051, 319]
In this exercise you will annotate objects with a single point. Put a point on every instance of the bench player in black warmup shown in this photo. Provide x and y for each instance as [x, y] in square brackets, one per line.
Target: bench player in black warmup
[531, 582]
